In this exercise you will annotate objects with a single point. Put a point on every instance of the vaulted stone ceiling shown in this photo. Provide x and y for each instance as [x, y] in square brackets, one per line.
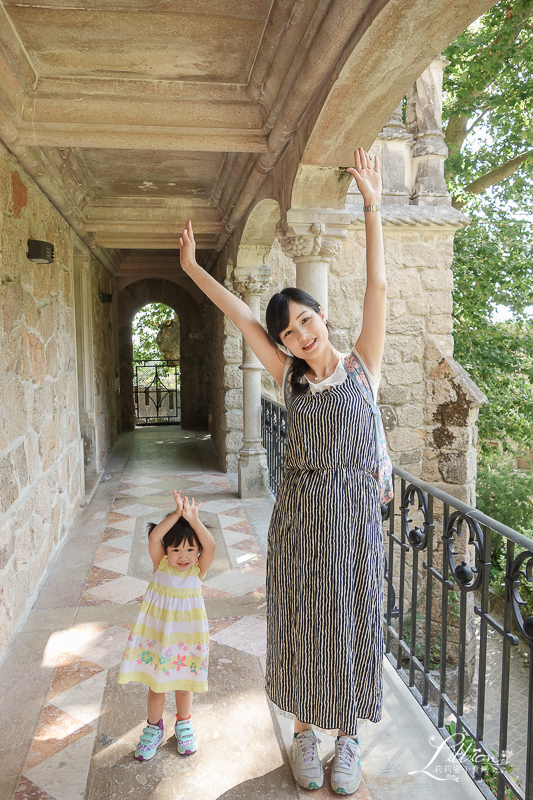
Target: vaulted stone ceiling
[134, 115]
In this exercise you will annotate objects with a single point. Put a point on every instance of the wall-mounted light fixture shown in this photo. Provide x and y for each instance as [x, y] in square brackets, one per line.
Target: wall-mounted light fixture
[40, 252]
[105, 297]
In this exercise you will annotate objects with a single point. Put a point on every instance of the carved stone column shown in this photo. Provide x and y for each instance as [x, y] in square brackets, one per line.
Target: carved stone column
[424, 121]
[311, 237]
[253, 468]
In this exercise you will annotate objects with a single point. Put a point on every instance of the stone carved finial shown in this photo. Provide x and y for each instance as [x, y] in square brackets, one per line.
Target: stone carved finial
[424, 122]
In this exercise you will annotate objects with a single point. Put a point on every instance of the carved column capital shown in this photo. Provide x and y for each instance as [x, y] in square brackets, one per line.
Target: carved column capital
[250, 284]
[312, 234]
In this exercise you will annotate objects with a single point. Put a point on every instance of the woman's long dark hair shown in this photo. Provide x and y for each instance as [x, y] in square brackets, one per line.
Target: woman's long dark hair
[277, 320]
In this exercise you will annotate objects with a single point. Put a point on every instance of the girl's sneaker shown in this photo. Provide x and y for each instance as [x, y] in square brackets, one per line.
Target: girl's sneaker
[346, 769]
[151, 738]
[186, 739]
[306, 765]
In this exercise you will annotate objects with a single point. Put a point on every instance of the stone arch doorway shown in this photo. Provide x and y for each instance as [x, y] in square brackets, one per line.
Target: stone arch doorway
[193, 346]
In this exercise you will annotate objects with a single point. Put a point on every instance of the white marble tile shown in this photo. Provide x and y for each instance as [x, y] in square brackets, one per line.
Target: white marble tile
[141, 481]
[219, 506]
[248, 635]
[116, 563]
[121, 542]
[238, 557]
[226, 521]
[232, 537]
[138, 510]
[140, 491]
[127, 525]
[104, 647]
[64, 775]
[83, 701]
[121, 590]
[235, 582]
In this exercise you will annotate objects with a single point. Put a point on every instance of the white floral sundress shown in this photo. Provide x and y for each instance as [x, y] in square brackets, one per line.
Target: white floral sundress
[168, 646]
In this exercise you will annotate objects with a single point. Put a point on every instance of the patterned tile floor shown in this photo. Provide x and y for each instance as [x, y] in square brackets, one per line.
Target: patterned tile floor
[69, 730]
[59, 760]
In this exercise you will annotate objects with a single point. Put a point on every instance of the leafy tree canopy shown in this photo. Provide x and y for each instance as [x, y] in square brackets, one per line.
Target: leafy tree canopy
[488, 123]
[145, 327]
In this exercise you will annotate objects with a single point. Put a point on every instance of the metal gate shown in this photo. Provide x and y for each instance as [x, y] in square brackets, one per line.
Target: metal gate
[156, 393]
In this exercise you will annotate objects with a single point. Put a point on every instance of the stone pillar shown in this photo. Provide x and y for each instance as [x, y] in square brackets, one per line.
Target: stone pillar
[312, 237]
[424, 121]
[253, 468]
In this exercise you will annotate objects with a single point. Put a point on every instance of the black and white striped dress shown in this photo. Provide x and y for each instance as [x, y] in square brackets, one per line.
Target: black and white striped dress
[325, 565]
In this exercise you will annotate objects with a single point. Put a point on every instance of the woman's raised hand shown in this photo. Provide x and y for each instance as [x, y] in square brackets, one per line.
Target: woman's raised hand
[187, 247]
[367, 176]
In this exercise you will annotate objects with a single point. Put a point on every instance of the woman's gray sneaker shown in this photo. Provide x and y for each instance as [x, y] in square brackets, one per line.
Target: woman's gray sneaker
[346, 770]
[306, 765]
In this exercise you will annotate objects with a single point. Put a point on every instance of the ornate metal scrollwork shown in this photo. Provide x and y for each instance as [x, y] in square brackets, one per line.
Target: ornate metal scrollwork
[417, 537]
[522, 567]
[468, 578]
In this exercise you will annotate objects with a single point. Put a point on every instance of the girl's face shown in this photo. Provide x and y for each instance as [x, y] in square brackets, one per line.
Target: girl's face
[183, 556]
[306, 336]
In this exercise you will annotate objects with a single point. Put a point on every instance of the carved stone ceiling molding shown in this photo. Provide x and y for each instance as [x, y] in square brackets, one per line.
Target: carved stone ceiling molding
[134, 115]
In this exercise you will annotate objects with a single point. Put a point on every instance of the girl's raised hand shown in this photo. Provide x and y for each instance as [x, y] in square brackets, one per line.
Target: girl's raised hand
[187, 247]
[179, 503]
[190, 509]
[367, 176]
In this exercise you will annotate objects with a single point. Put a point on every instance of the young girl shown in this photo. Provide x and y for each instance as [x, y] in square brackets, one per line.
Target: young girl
[168, 645]
[325, 547]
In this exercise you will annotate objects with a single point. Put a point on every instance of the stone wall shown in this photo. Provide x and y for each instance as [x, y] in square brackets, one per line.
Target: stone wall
[226, 414]
[41, 455]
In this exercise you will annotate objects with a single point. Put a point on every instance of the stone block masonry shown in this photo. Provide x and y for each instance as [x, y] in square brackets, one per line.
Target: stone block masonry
[41, 455]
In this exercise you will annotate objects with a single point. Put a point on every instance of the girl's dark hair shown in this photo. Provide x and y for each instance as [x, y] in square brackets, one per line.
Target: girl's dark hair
[277, 320]
[176, 535]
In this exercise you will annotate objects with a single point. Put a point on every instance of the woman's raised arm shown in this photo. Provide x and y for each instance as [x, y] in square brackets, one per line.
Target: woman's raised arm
[270, 356]
[371, 341]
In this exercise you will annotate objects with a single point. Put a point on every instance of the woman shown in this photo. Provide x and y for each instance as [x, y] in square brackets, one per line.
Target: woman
[325, 552]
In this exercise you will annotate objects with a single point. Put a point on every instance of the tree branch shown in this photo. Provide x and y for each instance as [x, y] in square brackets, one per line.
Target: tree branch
[494, 176]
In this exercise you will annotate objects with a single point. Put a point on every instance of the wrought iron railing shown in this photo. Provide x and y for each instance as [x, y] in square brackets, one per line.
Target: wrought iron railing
[273, 430]
[156, 392]
[437, 592]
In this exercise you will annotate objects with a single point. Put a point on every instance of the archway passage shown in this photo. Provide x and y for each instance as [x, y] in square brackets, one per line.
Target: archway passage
[194, 357]
[156, 365]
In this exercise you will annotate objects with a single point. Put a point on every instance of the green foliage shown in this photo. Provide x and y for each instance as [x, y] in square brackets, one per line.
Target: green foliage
[488, 102]
[488, 118]
[489, 766]
[145, 327]
[506, 494]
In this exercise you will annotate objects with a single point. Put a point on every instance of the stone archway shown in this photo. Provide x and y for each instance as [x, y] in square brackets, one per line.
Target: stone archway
[193, 342]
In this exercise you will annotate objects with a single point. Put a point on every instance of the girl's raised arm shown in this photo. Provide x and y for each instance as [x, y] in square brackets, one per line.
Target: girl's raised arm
[155, 548]
[371, 341]
[271, 357]
[190, 513]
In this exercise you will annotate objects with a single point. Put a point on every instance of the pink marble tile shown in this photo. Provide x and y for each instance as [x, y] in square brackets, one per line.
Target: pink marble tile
[260, 592]
[207, 591]
[99, 575]
[88, 599]
[240, 527]
[55, 731]
[255, 566]
[70, 671]
[111, 533]
[105, 552]
[218, 624]
[26, 790]
[236, 512]
[249, 544]
[114, 516]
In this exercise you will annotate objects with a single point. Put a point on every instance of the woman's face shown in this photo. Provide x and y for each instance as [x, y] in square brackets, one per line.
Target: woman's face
[306, 335]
